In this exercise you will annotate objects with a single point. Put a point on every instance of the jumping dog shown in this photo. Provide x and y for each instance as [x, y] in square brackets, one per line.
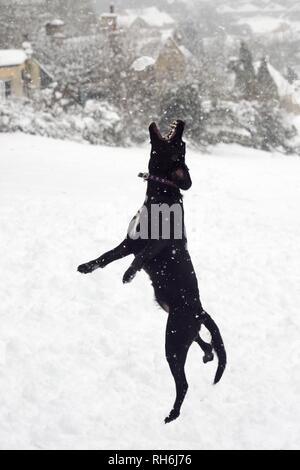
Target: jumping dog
[157, 239]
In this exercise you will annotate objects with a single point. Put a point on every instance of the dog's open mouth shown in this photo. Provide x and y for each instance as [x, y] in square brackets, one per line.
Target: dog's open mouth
[172, 133]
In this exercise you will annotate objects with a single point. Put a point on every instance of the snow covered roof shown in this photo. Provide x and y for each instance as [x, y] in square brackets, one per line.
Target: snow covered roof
[265, 24]
[274, 7]
[245, 8]
[10, 57]
[187, 54]
[142, 63]
[284, 88]
[152, 16]
[27, 47]
[249, 7]
[109, 15]
[225, 9]
[56, 22]
[157, 46]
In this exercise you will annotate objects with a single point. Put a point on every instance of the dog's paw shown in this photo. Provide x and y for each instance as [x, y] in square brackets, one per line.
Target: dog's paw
[208, 357]
[87, 268]
[172, 416]
[129, 275]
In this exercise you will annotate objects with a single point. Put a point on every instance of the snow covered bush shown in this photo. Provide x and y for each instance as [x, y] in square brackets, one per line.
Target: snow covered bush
[101, 123]
[251, 124]
[54, 116]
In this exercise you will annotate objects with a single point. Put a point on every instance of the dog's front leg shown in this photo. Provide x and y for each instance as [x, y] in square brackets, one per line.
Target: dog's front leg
[121, 251]
[152, 249]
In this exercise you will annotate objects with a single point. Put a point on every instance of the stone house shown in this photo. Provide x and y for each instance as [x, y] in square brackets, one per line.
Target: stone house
[19, 74]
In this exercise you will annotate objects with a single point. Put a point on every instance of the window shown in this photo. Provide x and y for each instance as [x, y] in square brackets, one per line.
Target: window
[7, 89]
[2, 90]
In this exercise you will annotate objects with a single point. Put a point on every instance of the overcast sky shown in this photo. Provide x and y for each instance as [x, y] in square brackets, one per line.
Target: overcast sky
[104, 4]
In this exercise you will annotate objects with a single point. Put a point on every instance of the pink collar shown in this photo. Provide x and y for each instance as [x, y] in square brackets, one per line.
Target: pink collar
[157, 179]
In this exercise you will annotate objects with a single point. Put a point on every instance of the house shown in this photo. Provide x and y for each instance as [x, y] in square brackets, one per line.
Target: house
[158, 53]
[172, 60]
[289, 94]
[12, 73]
[249, 9]
[145, 18]
[55, 28]
[108, 21]
[163, 59]
[267, 84]
[276, 86]
[140, 18]
[20, 73]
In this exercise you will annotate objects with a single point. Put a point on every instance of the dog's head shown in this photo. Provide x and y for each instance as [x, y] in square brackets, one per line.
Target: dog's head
[168, 155]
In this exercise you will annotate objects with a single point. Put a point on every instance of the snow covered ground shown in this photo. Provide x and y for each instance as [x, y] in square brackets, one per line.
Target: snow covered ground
[82, 358]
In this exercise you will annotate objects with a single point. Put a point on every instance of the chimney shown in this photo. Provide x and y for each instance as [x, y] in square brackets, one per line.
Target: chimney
[112, 9]
[55, 28]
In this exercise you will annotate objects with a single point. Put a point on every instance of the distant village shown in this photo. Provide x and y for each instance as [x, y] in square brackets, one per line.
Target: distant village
[158, 53]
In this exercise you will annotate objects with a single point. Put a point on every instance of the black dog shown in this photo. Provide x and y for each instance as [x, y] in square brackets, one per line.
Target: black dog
[167, 260]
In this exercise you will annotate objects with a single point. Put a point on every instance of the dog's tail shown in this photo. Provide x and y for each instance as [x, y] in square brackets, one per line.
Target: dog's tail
[217, 344]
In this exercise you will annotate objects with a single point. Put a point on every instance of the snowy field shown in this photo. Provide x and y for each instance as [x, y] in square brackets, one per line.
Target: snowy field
[82, 357]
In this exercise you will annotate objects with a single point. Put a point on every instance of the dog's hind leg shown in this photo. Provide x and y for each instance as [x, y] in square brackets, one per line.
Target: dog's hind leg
[180, 334]
[206, 347]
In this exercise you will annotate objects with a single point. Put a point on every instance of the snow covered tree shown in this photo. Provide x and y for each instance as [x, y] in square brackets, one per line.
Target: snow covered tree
[183, 101]
[141, 105]
[79, 15]
[266, 89]
[273, 132]
[291, 75]
[245, 84]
